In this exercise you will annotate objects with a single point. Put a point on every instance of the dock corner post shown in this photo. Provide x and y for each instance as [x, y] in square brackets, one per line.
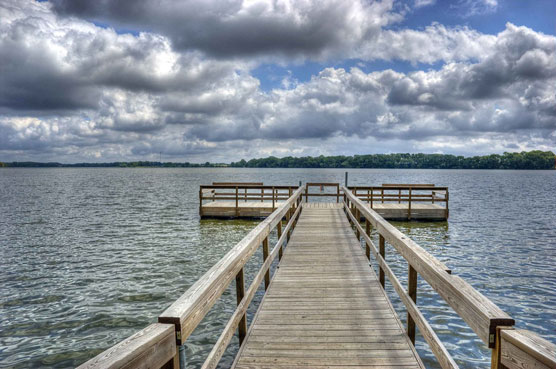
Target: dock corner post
[368, 232]
[279, 230]
[346, 179]
[273, 202]
[306, 192]
[265, 256]
[382, 251]
[337, 193]
[372, 195]
[412, 292]
[240, 292]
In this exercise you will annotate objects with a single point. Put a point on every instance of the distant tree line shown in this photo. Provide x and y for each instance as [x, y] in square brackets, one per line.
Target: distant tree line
[523, 160]
[518, 160]
[118, 164]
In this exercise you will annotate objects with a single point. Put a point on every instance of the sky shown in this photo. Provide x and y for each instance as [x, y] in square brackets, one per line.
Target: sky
[222, 80]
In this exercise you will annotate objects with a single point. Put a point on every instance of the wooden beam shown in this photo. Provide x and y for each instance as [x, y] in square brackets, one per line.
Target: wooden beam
[240, 293]
[265, 256]
[151, 347]
[412, 292]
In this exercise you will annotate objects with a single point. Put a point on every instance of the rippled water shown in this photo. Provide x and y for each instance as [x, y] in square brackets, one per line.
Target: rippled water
[90, 256]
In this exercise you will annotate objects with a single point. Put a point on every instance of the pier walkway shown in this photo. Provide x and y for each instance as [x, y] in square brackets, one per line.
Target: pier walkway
[325, 306]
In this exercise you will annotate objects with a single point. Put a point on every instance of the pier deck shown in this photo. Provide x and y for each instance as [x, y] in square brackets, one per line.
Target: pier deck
[325, 306]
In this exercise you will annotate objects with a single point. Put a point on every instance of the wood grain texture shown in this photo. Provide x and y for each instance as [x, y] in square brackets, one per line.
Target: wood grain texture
[152, 347]
[325, 307]
[522, 349]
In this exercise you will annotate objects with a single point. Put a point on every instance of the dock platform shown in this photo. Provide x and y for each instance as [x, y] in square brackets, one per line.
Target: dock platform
[325, 307]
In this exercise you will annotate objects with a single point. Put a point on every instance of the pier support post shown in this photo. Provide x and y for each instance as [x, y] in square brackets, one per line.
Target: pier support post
[412, 292]
[382, 251]
[240, 292]
[265, 256]
[357, 218]
[346, 179]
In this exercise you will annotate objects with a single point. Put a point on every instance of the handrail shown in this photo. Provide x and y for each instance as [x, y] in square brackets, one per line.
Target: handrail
[130, 353]
[481, 314]
[190, 308]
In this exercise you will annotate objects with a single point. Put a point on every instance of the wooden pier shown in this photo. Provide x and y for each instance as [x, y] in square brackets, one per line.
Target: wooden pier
[324, 307]
[391, 201]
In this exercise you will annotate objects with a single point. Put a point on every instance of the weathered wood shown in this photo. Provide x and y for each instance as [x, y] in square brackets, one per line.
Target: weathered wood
[522, 349]
[152, 347]
[265, 256]
[382, 250]
[368, 233]
[240, 293]
[481, 314]
[412, 292]
[279, 231]
[190, 308]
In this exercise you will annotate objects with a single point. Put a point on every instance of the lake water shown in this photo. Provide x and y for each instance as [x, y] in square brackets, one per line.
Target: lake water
[90, 256]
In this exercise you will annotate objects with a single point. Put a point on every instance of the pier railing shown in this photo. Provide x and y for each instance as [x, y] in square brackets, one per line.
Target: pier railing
[322, 193]
[239, 192]
[510, 348]
[403, 194]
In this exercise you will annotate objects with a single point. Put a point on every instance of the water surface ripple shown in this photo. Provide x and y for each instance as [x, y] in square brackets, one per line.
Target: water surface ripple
[90, 256]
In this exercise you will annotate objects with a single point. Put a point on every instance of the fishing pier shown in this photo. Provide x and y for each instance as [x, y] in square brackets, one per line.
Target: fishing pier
[324, 306]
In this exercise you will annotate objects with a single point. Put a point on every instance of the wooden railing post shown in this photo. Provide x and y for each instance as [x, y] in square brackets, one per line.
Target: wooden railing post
[409, 206]
[368, 232]
[240, 292]
[337, 193]
[382, 251]
[245, 194]
[262, 194]
[307, 192]
[382, 194]
[279, 229]
[399, 196]
[372, 195]
[412, 292]
[273, 202]
[357, 218]
[265, 256]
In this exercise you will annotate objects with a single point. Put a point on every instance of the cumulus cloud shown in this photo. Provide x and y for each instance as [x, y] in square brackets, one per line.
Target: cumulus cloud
[72, 89]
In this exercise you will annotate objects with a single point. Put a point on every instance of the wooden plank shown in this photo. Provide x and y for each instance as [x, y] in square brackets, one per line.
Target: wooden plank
[522, 349]
[152, 347]
[481, 314]
[325, 306]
